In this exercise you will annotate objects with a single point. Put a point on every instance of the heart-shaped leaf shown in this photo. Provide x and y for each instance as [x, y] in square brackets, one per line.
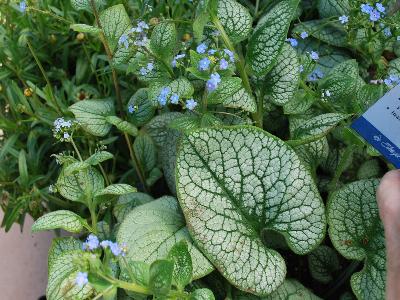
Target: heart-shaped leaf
[234, 183]
[235, 19]
[323, 262]
[150, 230]
[63, 219]
[266, 42]
[91, 114]
[163, 39]
[127, 202]
[357, 233]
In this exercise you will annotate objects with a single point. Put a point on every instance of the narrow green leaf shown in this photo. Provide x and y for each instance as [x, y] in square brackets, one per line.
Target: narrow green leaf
[122, 125]
[266, 42]
[23, 168]
[116, 190]
[183, 268]
[185, 123]
[146, 151]
[63, 219]
[84, 28]
[99, 157]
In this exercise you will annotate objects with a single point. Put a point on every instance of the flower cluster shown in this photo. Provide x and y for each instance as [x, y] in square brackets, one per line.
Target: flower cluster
[375, 13]
[92, 243]
[392, 80]
[293, 42]
[22, 6]
[176, 59]
[315, 75]
[213, 82]
[81, 279]
[63, 129]
[146, 70]
[223, 58]
[138, 34]
[344, 19]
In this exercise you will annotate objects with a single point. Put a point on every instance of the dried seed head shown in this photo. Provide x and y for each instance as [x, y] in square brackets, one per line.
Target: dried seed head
[28, 92]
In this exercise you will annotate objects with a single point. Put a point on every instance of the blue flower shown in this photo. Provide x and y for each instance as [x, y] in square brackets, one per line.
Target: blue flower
[165, 91]
[212, 51]
[124, 40]
[66, 136]
[115, 249]
[301, 68]
[344, 19]
[162, 98]
[374, 15]
[314, 55]
[388, 82]
[22, 6]
[105, 244]
[293, 42]
[191, 104]
[131, 109]
[92, 243]
[366, 8]
[394, 78]
[201, 49]
[176, 58]
[213, 82]
[204, 64]
[174, 98]
[150, 66]
[143, 71]
[230, 54]
[141, 25]
[223, 64]
[387, 31]
[81, 279]
[304, 35]
[315, 75]
[380, 7]
[398, 38]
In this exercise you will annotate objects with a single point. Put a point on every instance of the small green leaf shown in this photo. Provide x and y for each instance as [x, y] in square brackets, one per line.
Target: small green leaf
[81, 186]
[143, 108]
[116, 190]
[122, 125]
[241, 99]
[202, 17]
[202, 294]
[139, 270]
[156, 128]
[324, 30]
[63, 219]
[333, 8]
[225, 89]
[185, 123]
[85, 4]
[235, 19]
[161, 277]
[183, 268]
[23, 168]
[75, 167]
[146, 151]
[84, 28]
[323, 262]
[319, 126]
[99, 157]
[150, 231]
[283, 80]
[357, 233]
[163, 39]
[91, 114]
[235, 182]
[115, 21]
[266, 42]
[369, 169]
[127, 202]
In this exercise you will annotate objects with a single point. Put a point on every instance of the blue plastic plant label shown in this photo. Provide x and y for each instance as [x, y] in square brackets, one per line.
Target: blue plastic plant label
[380, 126]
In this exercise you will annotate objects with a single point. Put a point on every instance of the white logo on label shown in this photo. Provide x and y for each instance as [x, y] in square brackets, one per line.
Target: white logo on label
[388, 146]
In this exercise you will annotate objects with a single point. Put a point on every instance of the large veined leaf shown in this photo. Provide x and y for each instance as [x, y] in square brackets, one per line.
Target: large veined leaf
[63, 219]
[289, 290]
[78, 187]
[394, 67]
[232, 184]
[283, 80]
[91, 114]
[115, 21]
[62, 269]
[333, 8]
[266, 42]
[127, 202]
[235, 19]
[241, 99]
[226, 88]
[323, 262]
[163, 39]
[324, 30]
[150, 230]
[357, 233]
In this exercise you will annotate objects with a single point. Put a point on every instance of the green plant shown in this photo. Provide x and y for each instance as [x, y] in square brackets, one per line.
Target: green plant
[199, 149]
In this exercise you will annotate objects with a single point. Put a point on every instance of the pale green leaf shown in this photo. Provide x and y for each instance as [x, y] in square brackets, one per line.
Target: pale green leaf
[122, 125]
[150, 230]
[127, 202]
[146, 151]
[266, 42]
[183, 268]
[168, 153]
[84, 28]
[357, 233]
[91, 114]
[323, 262]
[85, 4]
[61, 245]
[369, 169]
[185, 123]
[75, 167]
[241, 99]
[227, 87]
[63, 219]
[161, 277]
[202, 294]
[156, 128]
[235, 182]
[115, 21]
[283, 80]
[235, 19]
[80, 186]
[163, 39]
[99, 157]
[116, 190]
[333, 8]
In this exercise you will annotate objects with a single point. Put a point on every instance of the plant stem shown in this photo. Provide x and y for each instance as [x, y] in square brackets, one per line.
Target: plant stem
[132, 154]
[45, 77]
[241, 67]
[76, 149]
[343, 162]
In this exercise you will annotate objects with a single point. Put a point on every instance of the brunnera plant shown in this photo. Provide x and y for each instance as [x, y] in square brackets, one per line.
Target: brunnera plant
[198, 149]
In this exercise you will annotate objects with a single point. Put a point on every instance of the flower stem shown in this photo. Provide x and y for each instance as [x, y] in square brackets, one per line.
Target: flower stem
[76, 149]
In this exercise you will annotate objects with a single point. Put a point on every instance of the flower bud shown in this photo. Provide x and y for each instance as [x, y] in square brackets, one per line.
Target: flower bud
[186, 37]
[28, 92]
[80, 37]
